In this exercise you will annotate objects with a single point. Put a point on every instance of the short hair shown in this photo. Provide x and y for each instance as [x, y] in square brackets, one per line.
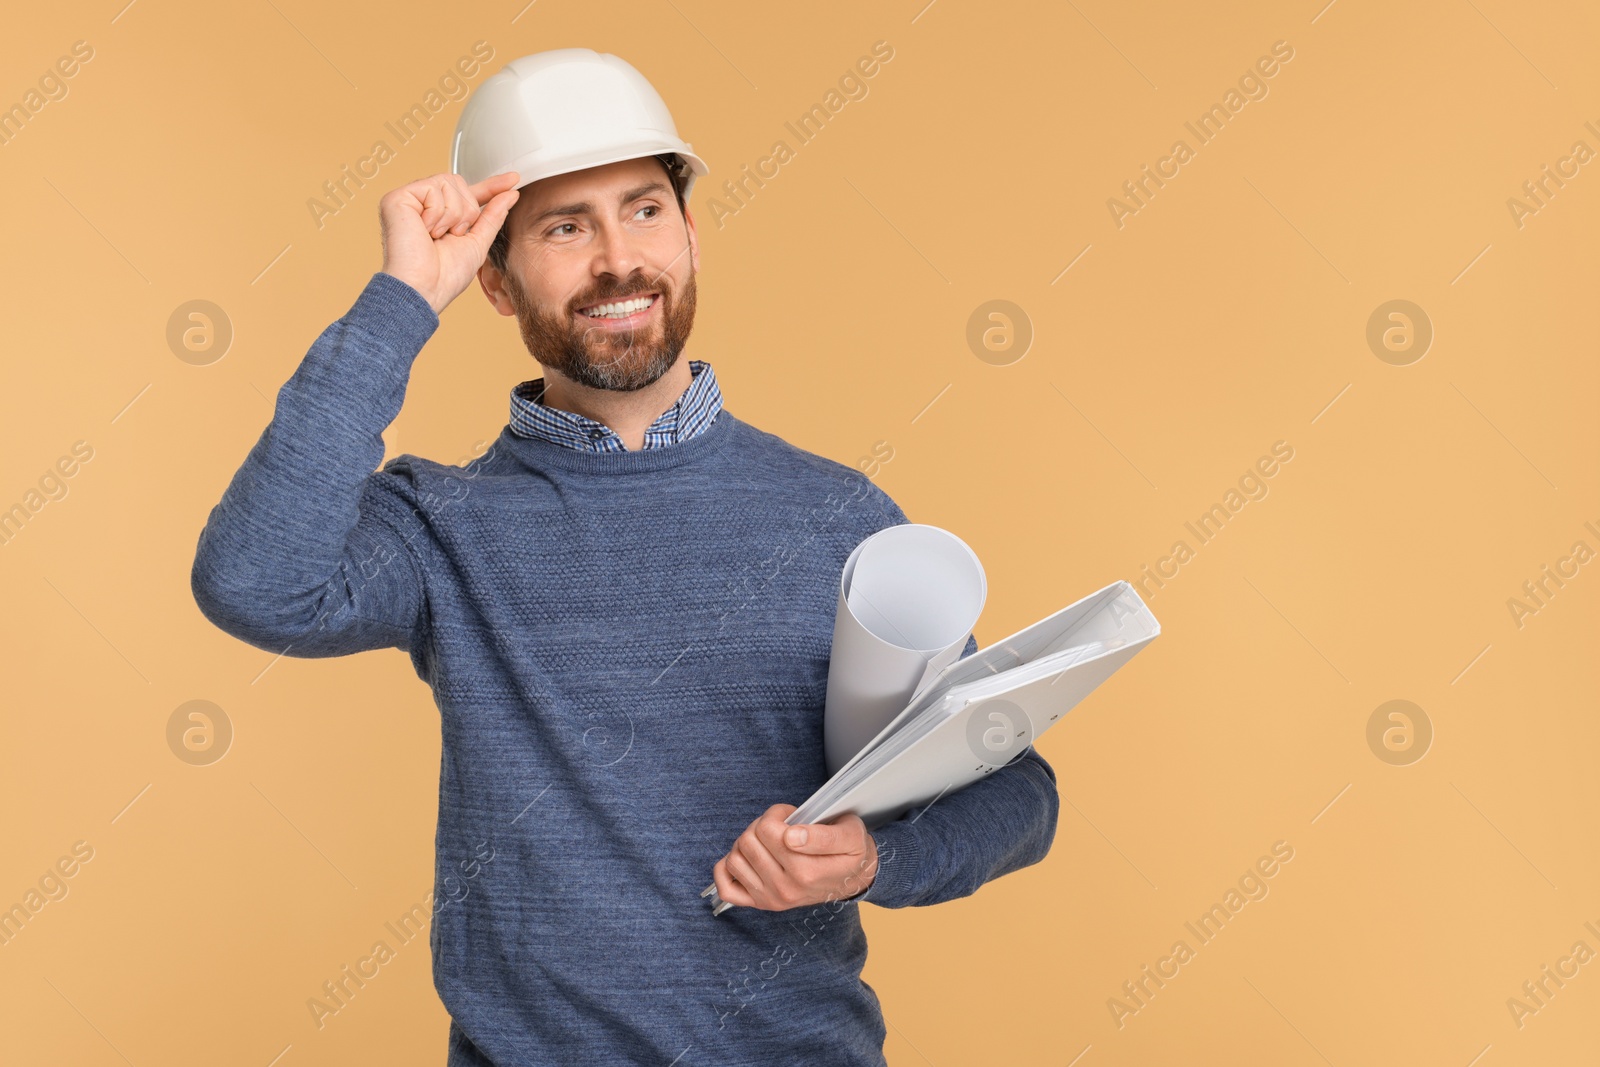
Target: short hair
[677, 171]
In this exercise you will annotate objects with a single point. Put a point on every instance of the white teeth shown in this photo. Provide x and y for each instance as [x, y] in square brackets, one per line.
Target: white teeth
[620, 310]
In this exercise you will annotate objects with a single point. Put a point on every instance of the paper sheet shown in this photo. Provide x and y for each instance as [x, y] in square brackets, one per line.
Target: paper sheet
[909, 597]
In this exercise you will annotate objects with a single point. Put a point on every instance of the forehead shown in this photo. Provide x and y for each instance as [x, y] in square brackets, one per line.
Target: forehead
[596, 185]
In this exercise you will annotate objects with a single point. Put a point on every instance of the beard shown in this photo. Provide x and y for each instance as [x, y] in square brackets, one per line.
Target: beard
[600, 358]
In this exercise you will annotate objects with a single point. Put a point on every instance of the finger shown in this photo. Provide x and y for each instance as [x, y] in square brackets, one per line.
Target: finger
[846, 836]
[770, 830]
[464, 207]
[493, 215]
[455, 206]
[740, 869]
[762, 862]
[435, 201]
[471, 207]
[486, 190]
[728, 889]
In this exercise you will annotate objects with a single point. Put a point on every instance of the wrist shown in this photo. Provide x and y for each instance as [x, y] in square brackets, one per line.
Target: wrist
[428, 297]
[866, 873]
[391, 309]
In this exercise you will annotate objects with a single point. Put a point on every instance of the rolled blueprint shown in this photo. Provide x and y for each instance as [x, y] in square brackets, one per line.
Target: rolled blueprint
[909, 597]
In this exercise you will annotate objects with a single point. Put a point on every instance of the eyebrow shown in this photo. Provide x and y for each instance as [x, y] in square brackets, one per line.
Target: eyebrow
[583, 207]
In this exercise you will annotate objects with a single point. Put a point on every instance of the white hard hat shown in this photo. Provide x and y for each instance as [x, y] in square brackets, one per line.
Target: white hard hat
[564, 110]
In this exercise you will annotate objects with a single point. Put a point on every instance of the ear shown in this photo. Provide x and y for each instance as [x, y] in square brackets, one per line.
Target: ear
[493, 282]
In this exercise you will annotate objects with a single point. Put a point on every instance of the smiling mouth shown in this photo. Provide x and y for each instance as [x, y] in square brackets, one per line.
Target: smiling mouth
[620, 309]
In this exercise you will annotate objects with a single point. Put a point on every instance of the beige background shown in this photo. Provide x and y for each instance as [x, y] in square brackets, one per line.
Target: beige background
[1230, 312]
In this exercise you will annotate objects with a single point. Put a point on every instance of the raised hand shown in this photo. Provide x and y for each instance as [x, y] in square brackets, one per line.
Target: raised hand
[437, 231]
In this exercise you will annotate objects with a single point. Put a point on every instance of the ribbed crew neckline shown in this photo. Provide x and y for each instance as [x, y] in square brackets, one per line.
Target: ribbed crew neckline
[539, 453]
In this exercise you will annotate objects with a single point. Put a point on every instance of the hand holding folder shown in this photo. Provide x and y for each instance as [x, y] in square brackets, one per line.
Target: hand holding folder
[906, 721]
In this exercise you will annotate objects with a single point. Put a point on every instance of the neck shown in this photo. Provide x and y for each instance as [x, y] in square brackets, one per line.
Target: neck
[626, 414]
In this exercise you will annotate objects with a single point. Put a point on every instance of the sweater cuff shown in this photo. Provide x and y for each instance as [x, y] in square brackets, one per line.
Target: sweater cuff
[393, 312]
[899, 864]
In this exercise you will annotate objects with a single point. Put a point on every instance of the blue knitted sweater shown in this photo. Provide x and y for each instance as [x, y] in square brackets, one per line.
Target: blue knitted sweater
[629, 652]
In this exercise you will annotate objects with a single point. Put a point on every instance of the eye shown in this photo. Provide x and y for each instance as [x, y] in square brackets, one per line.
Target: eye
[650, 207]
[554, 231]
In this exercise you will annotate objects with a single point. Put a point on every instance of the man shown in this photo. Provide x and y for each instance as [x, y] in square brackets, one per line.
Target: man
[624, 608]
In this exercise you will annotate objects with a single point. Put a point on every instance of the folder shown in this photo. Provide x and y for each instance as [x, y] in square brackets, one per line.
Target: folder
[979, 713]
[960, 719]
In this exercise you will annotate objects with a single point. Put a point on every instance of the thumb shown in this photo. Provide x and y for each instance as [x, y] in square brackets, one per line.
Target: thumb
[817, 839]
[493, 215]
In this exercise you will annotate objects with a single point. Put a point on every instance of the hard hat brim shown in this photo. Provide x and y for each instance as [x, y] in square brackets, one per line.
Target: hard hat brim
[530, 167]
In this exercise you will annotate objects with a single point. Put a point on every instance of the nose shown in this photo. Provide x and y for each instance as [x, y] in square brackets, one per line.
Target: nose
[615, 251]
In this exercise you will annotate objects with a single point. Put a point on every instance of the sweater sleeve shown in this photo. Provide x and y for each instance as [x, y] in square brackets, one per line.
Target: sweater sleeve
[950, 847]
[311, 551]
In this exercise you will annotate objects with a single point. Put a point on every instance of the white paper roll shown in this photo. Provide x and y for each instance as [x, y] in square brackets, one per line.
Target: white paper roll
[909, 597]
